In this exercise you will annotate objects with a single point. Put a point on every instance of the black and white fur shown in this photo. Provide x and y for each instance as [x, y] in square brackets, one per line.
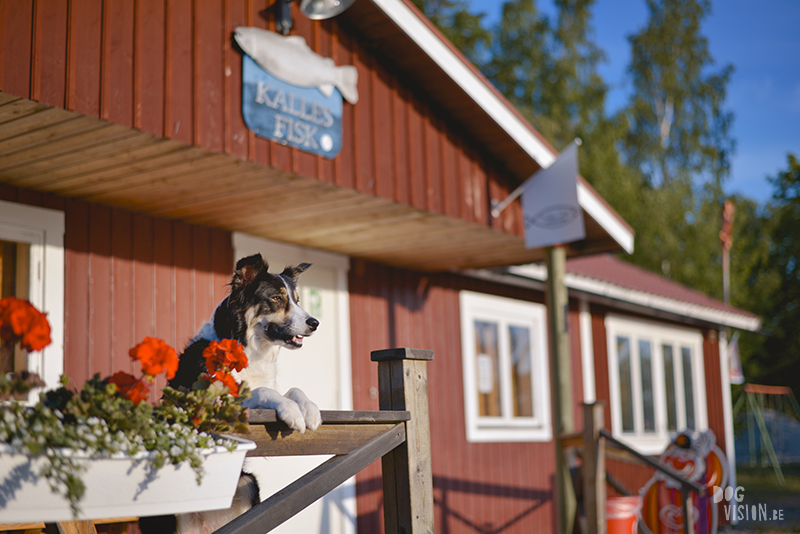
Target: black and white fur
[263, 313]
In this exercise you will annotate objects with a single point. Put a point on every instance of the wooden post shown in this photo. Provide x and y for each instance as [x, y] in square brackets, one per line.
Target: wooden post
[557, 302]
[594, 469]
[407, 475]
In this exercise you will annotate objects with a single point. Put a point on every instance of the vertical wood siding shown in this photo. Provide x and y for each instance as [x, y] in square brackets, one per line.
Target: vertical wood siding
[168, 67]
[494, 487]
[130, 276]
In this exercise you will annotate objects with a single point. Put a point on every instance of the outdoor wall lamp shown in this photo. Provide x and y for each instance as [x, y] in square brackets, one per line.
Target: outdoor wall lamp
[313, 9]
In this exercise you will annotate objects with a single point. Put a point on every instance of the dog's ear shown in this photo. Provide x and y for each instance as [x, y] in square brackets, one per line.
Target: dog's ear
[294, 272]
[247, 269]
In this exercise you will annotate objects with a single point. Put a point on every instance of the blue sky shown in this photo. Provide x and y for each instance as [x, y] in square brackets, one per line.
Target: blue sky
[760, 39]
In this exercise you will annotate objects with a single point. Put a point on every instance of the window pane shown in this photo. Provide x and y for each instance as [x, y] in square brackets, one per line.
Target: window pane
[487, 365]
[648, 400]
[688, 386]
[14, 271]
[669, 378]
[625, 382]
[521, 371]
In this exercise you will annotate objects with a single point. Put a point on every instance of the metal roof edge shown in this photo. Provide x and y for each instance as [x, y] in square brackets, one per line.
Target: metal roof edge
[615, 292]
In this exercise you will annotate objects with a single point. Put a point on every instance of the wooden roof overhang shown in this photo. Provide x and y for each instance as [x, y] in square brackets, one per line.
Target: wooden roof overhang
[73, 155]
[68, 154]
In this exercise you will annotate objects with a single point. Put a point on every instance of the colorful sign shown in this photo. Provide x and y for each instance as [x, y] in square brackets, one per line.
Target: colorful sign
[291, 94]
[301, 117]
[696, 457]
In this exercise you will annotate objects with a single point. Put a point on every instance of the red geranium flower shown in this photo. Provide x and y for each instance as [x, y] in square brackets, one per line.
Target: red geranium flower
[227, 380]
[225, 355]
[21, 321]
[156, 357]
[130, 387]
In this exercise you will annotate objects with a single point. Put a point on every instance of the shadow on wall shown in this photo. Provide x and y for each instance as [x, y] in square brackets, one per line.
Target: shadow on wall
[450, 492]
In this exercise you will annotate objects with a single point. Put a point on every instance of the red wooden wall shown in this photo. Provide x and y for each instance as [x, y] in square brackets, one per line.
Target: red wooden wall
[130, 276]
[168, 67]
[487, 487]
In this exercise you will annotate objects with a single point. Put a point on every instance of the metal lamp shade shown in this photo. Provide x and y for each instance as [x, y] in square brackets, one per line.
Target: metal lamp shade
[324, 9]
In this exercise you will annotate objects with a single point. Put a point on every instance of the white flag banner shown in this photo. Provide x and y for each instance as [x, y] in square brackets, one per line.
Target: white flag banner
[550, 206]
[735, 361]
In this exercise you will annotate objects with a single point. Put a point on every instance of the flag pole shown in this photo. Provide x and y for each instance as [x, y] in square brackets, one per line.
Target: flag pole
[498, 207]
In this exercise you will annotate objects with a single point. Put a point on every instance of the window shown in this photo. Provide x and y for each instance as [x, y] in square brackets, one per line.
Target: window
[506, 377]
[655, 376]
[32, 267]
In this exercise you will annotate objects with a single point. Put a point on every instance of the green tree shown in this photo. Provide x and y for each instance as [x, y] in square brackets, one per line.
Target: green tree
[679, 128]
[462, 27]
[680, 143]
[775, 288]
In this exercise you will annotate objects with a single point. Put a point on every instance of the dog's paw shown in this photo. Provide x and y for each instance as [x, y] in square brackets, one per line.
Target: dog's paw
[310, 411]
[286, 409]
[290, 413]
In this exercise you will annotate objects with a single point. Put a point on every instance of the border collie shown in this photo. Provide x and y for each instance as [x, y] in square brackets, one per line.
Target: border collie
[263, 313]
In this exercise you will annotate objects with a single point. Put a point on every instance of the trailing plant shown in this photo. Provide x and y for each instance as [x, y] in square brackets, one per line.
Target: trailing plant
[108, 416]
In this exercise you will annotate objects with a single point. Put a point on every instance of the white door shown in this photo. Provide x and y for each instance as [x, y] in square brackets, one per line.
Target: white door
[321, 369]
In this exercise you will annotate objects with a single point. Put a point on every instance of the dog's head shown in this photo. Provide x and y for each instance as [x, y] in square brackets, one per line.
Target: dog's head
[267, 305]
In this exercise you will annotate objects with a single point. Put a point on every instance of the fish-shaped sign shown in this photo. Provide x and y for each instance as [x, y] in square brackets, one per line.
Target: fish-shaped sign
[292, 95]
[292, 60]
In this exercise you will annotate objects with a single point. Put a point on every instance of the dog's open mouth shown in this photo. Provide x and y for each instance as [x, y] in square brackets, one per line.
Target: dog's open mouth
[275, 333]
[294, 341]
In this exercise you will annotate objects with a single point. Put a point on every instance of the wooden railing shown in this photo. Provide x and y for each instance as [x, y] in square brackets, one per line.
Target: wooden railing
[399, 434]
[594, 442]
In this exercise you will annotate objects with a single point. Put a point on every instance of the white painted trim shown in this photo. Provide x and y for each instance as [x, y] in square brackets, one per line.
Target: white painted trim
[44, 230]
[640, 298]
[656, 333]
[505, 311]
[606, 218]
[727, 415]
[473, 85]
[587, 352]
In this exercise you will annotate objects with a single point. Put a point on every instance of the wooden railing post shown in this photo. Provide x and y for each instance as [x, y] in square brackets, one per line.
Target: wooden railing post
[407, 475]
[594, 469]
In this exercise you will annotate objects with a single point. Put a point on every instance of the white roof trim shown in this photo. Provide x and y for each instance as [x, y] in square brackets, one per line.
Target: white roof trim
[641, 298]
[473, 85]
[598, 211]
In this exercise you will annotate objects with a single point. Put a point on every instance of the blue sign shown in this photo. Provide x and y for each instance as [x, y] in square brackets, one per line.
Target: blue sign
[300, 117]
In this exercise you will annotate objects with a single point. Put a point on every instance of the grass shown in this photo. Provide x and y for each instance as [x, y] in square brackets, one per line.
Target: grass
[763, 480]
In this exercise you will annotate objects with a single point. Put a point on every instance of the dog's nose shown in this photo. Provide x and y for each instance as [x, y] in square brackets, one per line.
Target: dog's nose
[313, 323]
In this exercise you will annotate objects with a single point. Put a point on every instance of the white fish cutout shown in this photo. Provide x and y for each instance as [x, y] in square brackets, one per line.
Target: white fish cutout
[291, 60]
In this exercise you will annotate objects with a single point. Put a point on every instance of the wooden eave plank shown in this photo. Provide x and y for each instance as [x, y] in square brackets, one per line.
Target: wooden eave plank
[266, 203]
[104, 168]
[86, 158]
[265, 195]
[34, 118]
[121, 175]
[13, 163]
[159, 181]
[40, 138]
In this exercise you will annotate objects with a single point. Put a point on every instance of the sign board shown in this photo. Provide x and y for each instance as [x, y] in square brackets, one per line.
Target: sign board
[301, 117]
[550, 206]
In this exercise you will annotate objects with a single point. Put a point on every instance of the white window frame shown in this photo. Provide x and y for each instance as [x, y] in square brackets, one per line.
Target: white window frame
[505, 312]
[43, 230]
[657, 334]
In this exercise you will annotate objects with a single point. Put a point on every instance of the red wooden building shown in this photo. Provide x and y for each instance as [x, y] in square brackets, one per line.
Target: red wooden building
[129, 183]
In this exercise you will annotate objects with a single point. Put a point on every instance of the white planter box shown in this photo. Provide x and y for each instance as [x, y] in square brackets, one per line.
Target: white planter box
[119, 487]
